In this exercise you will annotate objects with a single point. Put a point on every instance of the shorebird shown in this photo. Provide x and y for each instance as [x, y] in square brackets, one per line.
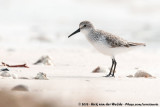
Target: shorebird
[106, 43]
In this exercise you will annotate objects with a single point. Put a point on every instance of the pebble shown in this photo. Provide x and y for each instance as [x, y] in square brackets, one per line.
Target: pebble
[20, 88]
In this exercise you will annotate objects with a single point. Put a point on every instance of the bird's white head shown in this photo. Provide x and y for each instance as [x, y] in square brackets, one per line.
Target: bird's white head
[84, 27]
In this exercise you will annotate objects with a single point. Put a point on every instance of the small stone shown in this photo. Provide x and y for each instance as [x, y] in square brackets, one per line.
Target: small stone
[41, 76]
[4, 69]
[141, 73]
[130, 76]
[99, 70]
[20, 88]
[5, 74]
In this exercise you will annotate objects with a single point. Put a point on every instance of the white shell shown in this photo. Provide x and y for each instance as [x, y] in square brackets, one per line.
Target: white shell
[5, 74]
[41, 76]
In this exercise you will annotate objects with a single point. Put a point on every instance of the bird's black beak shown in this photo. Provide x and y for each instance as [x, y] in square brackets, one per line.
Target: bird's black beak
[78, 30]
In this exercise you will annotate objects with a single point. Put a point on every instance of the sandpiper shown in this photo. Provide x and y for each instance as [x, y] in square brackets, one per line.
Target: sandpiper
[106, 43]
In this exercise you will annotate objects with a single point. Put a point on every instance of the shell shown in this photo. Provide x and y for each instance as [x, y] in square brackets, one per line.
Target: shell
[41, 76]
[5, 74]
[141, 73]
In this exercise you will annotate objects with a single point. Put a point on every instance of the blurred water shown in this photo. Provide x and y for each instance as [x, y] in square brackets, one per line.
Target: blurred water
[23, 21]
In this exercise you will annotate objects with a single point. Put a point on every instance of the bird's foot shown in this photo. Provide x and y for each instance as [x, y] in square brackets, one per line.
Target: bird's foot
[109, 75]
[112, 76]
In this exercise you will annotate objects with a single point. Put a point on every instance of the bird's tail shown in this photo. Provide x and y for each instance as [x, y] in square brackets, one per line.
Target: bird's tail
[136, 44]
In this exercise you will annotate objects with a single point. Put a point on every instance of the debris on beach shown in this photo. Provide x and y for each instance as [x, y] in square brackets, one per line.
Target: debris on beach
[136, 68]
[20, 88]
[99, 70]
[8, 74]
[4, 69]
[41, 38]
[46, 60]
[10, 50]
[23, 78]
[130, 76]
[5, 74]
[141, 73]
[22, 65]
[41, 76]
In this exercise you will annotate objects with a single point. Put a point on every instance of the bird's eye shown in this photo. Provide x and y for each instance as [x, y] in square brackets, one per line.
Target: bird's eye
[84, 25]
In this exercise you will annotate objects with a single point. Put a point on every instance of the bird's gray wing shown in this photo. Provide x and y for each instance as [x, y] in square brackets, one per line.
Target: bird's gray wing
[115, 41]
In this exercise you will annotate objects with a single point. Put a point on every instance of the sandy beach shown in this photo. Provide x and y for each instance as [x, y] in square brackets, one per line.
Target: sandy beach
[72, 83]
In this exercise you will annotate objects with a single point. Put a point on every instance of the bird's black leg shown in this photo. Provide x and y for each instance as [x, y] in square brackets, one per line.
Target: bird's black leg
[115, 63]
[111, 68]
